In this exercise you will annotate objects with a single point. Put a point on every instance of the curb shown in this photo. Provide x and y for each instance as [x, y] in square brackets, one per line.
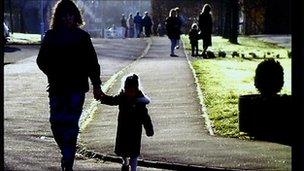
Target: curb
[151, 163]
[200, 95]
[89, 112]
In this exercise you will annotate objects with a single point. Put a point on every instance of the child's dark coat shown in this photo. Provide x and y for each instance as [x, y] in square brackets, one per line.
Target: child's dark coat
[193, 36]
[132, 115]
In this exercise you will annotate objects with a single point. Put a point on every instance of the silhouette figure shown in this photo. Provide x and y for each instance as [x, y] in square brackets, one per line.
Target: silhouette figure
[205, 26]
[138, 24]
[68, 59]
[147, 24]
[173, 30]
[193, 36]
[132, 115]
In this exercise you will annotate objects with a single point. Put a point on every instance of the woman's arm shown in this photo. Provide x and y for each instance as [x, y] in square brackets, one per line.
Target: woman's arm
[110, 100]
[42, 58]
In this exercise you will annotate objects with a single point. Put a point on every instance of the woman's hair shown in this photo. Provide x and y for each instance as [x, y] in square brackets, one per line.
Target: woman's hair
[131, 80]
[171, 12]
[61, 10]
[206, 8]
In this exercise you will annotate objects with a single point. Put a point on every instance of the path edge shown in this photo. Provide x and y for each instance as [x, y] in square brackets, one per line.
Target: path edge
[208, 122]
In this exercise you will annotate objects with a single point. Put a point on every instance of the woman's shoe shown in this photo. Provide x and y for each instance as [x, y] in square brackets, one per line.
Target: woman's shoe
[173, 55]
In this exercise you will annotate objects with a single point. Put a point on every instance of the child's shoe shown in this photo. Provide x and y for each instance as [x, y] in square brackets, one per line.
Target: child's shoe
[125, 167]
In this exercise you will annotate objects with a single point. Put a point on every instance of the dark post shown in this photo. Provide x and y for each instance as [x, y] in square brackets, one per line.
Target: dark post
[234, 22]
[11, 16]
[227, 21]
[298, 83]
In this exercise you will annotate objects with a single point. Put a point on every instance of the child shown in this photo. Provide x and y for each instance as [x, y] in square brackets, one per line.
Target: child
[193, 36]
[132, 115]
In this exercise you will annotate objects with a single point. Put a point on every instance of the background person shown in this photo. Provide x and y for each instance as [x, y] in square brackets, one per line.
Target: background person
[67, 57]
[172, 28]
[123, 22]
[147, 24]
[130, 25]
[205, 26]
[194, 37]
[138, 24]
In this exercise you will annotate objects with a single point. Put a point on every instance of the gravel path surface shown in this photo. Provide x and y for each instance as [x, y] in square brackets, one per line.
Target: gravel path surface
[180, 134]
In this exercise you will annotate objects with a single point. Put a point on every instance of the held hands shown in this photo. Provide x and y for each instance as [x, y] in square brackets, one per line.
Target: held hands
[98, 93]
[150, 132]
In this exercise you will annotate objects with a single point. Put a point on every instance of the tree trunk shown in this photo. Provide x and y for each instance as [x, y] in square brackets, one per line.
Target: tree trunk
[227, 20]
[234, 22]
[11, 17]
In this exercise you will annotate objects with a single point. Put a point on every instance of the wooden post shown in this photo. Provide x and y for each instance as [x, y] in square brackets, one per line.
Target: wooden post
[298, 83]
[11, 16]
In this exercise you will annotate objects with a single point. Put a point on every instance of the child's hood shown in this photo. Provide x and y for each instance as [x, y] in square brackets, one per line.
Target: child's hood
[143, 99]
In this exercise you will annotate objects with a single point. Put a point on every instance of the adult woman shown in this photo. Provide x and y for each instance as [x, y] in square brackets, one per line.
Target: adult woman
[205, 26]
[173, 32]
[68, 59]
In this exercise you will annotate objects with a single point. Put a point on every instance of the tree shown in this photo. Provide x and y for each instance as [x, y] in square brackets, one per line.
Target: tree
[231, 20]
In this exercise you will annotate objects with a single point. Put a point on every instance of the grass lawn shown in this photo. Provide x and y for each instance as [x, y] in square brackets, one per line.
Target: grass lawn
[22, 38]
[223, 80]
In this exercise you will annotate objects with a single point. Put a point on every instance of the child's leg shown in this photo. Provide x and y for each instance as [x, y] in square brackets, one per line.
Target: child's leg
[192, 49]
[196, 49]
[125, 161]
[133, 163]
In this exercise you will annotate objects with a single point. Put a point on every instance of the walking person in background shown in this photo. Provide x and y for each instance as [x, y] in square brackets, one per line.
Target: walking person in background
[205, 26]
[133, 114]
[147, 24]
[123, 22]
[130, 25]
[138, 24]
[173, 33]
[67, 57]
[180, 23]
[193, 36]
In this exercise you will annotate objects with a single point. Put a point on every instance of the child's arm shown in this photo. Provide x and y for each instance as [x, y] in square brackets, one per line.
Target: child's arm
[147, 122]
[110, 100]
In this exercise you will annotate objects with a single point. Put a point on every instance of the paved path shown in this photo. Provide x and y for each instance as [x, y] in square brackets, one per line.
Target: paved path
[180, 135]
[29, 144]
[281, 40]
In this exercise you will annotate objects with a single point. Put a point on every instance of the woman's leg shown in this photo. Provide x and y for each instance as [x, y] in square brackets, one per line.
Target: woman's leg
[133, 163]
[196, 48]
[173, 44]
[65, 113]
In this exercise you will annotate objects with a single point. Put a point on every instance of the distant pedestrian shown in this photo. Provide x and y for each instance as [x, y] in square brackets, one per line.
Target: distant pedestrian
[172, 27]
[138, 24]
[205, 26]
[147, 24]
[123, 22]
[130, 25]
[180, 23]
[133, 114]
[194, 37]
[67, 57]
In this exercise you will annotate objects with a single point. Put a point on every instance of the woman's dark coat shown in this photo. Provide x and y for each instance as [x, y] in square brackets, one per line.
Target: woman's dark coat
[173, 27]
[132, 115]
[68, 58]
[205, 26]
